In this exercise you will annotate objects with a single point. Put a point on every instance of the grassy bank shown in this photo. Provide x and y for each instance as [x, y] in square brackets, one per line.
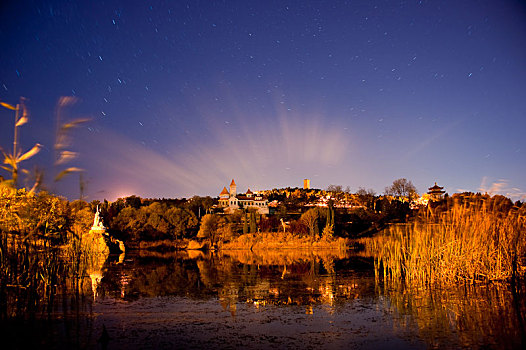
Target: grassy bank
[283, 256]
[280, 240]
[469, 243]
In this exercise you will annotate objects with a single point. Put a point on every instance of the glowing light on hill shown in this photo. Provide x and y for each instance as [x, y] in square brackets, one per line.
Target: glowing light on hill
[258, 154]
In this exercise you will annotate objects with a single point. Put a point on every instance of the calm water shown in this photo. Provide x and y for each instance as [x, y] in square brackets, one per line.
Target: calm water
[274, 300]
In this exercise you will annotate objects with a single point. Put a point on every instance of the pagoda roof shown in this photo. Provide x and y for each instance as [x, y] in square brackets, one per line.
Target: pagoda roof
[435, 188]
[225, 191]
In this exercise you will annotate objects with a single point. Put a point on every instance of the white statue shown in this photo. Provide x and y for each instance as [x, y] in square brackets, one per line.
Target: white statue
[97, 222]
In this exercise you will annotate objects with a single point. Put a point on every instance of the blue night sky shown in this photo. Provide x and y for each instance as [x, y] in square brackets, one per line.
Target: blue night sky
[185, 96]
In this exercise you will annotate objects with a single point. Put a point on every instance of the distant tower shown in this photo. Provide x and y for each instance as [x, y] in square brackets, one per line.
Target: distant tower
[306, 184]
[233, 189]
[436, 193]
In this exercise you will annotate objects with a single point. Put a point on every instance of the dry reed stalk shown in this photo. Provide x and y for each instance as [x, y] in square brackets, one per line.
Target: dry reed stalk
[466, 243]
[280, 240]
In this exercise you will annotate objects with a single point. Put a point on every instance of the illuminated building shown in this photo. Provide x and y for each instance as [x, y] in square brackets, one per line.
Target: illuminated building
[436, 193]
[230, 200]
[306, 184]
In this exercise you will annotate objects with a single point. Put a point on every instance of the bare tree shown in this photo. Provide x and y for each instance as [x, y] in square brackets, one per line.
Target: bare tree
[335, 188]
[401, 188]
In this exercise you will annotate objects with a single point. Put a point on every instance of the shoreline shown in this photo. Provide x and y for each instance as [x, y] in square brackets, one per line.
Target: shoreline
[251, 242]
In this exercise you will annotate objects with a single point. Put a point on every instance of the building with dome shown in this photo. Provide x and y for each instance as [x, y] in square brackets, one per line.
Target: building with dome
[229, 200]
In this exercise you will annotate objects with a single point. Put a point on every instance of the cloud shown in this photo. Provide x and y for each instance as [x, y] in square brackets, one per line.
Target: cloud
[502, 187]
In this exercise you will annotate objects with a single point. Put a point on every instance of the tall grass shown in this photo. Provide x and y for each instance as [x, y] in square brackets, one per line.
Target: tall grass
[30, 272]
[469, 243]
[280, 240]
[37, 266]
[283, 256]
[33, 271]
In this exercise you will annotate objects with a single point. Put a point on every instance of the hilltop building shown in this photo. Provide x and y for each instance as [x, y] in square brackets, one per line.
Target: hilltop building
[306, 184]
[230, 200]
[435, 193]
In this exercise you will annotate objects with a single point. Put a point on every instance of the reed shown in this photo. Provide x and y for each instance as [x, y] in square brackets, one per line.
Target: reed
[33, 271]
[277, 257]
[469, 243]
[44, 251]
[30, 272]
[280, 240]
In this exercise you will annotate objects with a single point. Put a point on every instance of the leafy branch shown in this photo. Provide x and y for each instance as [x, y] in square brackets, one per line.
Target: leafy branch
[63, 138]
[12, 160]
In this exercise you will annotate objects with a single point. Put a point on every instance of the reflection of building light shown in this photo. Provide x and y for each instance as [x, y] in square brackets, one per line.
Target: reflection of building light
[274, 291]
[124, 280]
[309, 310]
[258, 303]
[327, 293]
[228, 297]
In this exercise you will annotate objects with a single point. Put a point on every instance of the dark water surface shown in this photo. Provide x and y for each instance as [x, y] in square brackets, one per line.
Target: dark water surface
[275, 300]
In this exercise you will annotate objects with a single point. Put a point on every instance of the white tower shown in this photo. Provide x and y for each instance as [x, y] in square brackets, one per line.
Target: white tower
[233, 189]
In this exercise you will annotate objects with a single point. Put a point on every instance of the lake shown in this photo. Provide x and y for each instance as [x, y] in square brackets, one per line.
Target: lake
[276, 299]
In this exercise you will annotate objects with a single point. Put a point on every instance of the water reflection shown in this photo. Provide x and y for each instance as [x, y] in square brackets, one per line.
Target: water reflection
[263, 278]
[260, 300]
[463, 316]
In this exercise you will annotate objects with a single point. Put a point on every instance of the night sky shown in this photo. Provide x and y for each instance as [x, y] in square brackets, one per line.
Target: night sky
[185, 96]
